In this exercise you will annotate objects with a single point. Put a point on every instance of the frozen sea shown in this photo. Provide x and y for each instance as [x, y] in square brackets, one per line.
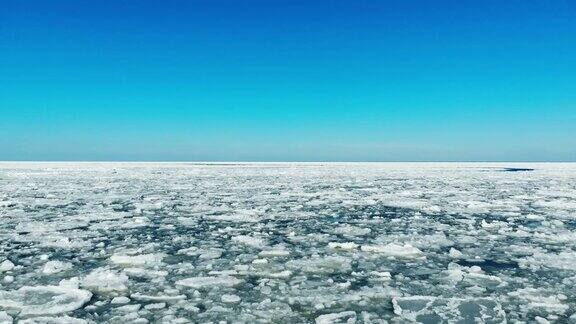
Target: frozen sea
[287, 242]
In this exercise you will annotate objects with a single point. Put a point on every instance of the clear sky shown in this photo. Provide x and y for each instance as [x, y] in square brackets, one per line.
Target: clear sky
[283, 80]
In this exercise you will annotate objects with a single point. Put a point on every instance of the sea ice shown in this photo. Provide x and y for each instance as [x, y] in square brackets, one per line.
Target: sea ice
[5, 318]
[251, 241]
[43, 300]
[53, 320]
[203, 282]
[52, 267]
[348, 317]
[405, 251]
[136, 260]
[287, 242]
[158, 298]
[105, 281]
[230, 299]
[6, 265]
[120, 300]
[347, 246]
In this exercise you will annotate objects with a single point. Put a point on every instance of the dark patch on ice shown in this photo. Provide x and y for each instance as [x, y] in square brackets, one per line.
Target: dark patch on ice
[201, 307]
[431, 318]
[421, 273]
[517, 169]
[531, 224]
[251, 281]
[470, 311]
[358, 283]
[371, 211]
[9, 205]
[570, 224]
[490, 265]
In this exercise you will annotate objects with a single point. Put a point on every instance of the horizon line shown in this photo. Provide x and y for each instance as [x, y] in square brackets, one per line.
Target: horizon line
[280, 161]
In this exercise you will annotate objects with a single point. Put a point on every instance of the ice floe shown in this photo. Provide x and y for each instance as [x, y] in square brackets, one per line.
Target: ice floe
[203, 282]
[230, 299]
[348, 317]
[136, 260]
[405, 251]
[43, 300]
[6, 265]
[105, 281]
[52, 267]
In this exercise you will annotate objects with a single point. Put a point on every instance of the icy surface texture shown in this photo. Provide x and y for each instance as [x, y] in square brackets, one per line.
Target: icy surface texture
[288, 243]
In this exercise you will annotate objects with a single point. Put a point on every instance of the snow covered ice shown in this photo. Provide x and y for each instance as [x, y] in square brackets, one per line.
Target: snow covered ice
[287, 242]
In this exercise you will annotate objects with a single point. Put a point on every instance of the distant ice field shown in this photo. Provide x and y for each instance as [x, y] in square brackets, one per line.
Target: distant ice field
[287, 242]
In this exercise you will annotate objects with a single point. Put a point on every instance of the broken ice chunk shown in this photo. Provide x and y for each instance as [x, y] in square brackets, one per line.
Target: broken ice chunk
[430, 309]
[540, 300]
[203, 282]
[274, 253]
[6, 265]
[120, 300]
[455, 254]
[347, 246]
[105, 281]
[136, 260]
[411, 305]
[234, 218]
[352, 230]
[53, 320]
[250, 241]
[319, 265]
[158, 298]
[275, 275]
[481, 279]
[381, 276]
[230, 299]
[5, 318]
[128, 308]
[405, 251]
[210, 254]
[348, 317]
[155, 306]
[145, 273]
[52, 267]
[44, 300]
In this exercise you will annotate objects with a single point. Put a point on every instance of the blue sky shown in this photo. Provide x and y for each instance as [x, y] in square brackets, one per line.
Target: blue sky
[282, 80]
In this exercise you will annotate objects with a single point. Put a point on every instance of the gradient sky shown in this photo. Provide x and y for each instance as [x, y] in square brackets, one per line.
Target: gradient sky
[490, 80]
